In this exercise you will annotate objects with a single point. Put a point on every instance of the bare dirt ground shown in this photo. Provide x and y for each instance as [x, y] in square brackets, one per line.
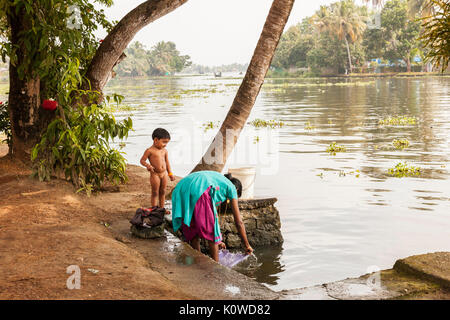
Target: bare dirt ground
[46, 227]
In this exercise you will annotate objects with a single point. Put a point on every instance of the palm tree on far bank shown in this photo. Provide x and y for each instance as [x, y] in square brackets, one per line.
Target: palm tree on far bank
[424, 7]
[237, 116]
[344, 20]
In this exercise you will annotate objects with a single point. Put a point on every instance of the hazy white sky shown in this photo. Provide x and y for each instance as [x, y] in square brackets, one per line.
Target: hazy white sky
[212, 32]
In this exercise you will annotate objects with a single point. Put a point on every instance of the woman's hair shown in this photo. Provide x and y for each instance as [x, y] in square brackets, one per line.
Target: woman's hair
[237, 183]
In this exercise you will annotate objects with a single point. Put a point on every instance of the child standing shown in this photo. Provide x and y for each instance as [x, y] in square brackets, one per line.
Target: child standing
[159, 166]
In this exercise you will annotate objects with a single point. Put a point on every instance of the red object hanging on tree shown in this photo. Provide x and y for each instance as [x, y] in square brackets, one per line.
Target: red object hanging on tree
[49, 104]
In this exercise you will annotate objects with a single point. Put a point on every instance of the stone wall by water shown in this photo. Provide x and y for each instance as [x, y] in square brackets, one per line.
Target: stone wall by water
[261, 219]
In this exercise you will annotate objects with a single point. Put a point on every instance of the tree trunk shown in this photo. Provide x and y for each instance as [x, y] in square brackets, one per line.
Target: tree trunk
[26, 117]
[349, 55]
[408, 64]
[222, 146]
[112, 47]
[28, 120]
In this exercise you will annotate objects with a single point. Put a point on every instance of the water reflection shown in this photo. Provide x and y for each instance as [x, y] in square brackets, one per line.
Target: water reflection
[340, 214]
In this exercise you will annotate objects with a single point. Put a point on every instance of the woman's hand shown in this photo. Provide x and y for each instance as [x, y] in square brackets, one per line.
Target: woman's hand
[248, 249]
[222, 245]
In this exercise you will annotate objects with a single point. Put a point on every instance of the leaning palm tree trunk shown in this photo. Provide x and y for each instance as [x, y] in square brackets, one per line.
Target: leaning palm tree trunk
[350, 66]
[222, 145]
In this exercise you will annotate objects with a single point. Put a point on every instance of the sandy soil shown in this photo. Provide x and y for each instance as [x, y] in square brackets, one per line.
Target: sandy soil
[46, 227]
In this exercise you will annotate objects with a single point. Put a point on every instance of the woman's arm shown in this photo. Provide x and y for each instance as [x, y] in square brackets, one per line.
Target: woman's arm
[240, 225]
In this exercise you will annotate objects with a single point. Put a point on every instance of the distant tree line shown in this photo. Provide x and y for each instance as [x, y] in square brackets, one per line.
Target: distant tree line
[162, 59]
[341, 38]
[200, 69]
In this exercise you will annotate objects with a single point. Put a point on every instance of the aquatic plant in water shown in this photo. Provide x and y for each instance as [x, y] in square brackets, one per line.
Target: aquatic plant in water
[397, 121]
[210, 125]
[403, 169]
[260, 123]
[333, 148]
[113, 108]
[308, 126]
[400, 143]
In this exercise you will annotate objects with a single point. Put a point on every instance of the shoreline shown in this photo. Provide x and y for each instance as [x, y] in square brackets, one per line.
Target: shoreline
[93, 232]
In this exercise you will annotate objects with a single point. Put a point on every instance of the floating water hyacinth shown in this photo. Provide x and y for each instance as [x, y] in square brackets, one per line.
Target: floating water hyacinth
[333, 148]
[400, 143]
[403, 169]
[397, 121]
[259, 123]
[308, 126]
[318, 84]
[210, 125]
[112, 108]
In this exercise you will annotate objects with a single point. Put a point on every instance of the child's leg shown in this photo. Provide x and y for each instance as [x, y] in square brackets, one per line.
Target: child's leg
[162, 191]
[214, 250]
[154, 182]
[195, 243]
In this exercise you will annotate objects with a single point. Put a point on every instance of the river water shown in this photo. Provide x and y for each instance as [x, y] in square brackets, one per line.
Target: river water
[342, 215]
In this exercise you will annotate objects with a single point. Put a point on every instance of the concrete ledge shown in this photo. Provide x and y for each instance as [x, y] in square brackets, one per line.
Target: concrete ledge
[433, 267]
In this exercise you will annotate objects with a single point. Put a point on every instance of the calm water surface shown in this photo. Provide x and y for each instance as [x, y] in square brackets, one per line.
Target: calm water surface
[336, 221]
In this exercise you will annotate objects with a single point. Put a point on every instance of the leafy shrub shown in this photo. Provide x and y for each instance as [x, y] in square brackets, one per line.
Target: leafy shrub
[76, 143]
[5, 124]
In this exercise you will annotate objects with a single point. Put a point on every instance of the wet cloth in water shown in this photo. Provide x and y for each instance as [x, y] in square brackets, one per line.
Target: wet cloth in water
[203, 220]
[189, 190]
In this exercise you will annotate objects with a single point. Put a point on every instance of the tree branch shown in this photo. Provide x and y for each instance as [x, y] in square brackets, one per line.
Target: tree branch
[121, 35]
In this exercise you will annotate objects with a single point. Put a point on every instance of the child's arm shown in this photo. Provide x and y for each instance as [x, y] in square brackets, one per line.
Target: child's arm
[144, 160]
[169, 169]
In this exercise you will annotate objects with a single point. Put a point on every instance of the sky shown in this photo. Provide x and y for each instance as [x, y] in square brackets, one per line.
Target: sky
[212, 32]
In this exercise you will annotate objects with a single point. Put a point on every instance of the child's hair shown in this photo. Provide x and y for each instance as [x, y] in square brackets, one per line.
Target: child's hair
[237, 183]
[160, 133]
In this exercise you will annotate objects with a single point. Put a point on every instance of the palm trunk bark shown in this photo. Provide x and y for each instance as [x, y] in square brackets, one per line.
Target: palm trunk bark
[349, 55]
[222, 145]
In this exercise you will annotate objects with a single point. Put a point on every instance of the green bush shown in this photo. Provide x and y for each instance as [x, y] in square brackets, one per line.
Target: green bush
[5, 124]
[76, 143]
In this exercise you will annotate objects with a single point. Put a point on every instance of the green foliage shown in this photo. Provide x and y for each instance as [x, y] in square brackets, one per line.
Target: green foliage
[47, 38]
[162, 59]
[76, 143]
[333, 148]
[403, 169]
[400, 143]
[5, 124]
[294, 46]
[436, 33]
[260, 123]
[397, 121]
[400, 33]
[210, 125]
